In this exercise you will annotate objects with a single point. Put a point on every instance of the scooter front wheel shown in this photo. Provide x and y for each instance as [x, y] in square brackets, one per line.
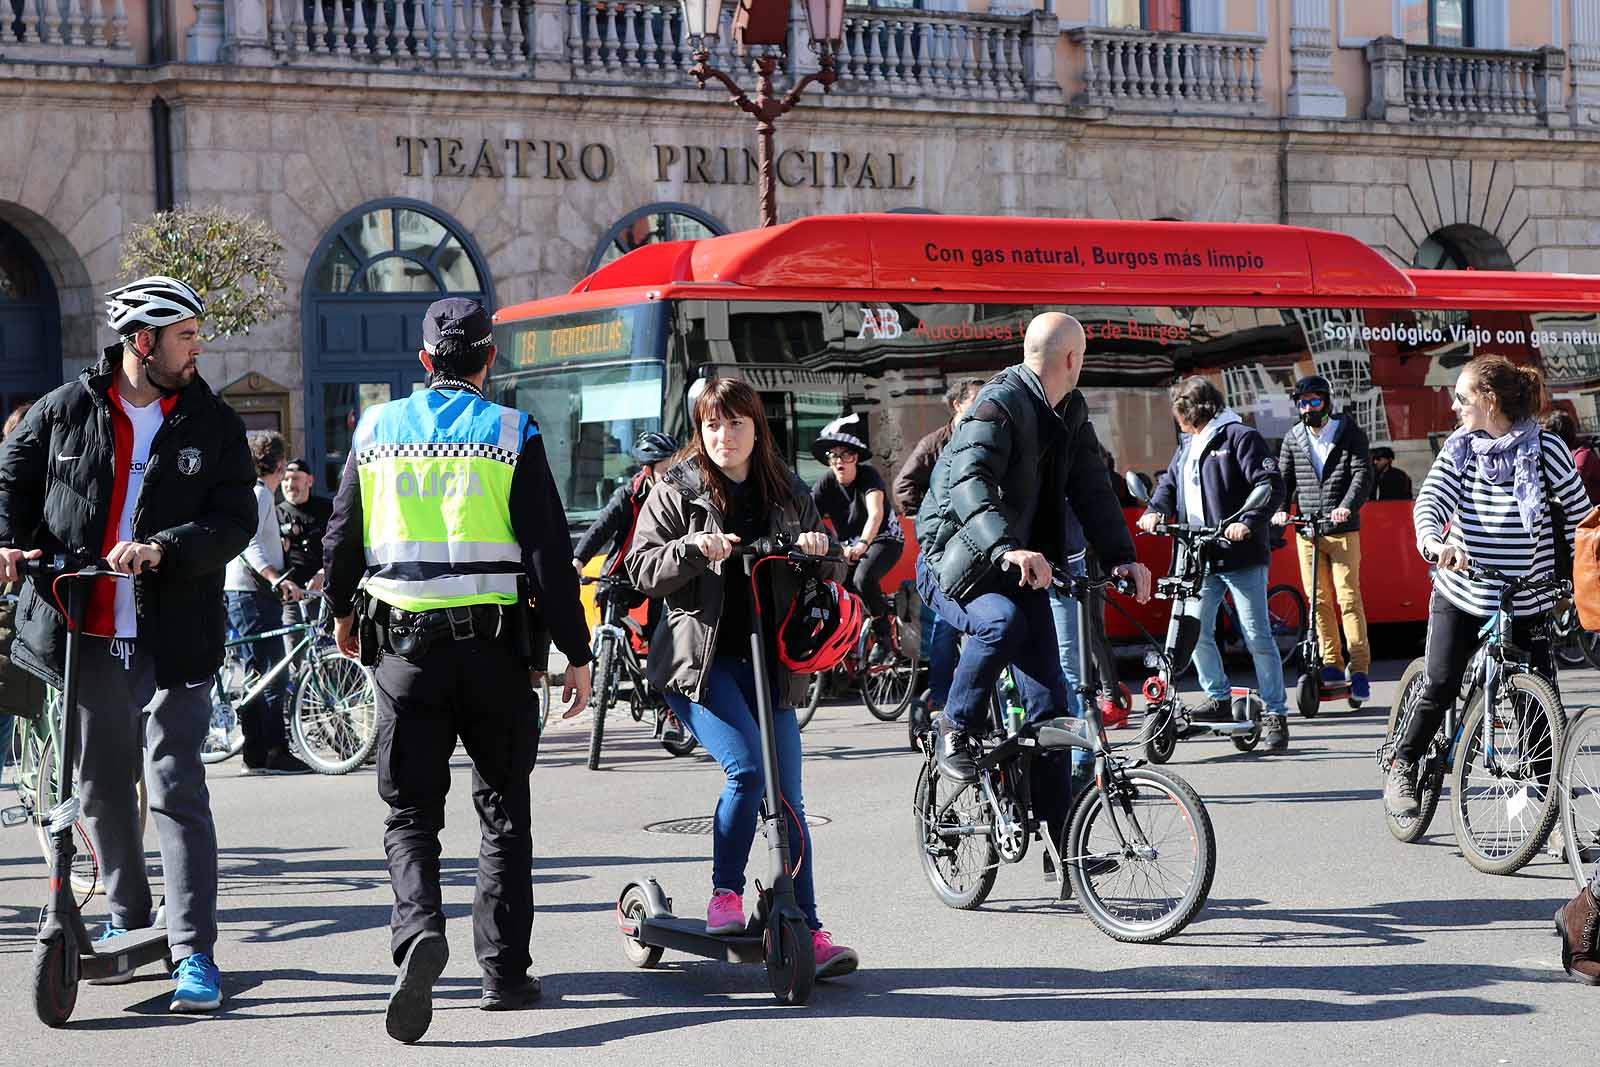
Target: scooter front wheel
[632, 908]
[1165, 740]
[792, 969]
[55, 979]
[1308, 695]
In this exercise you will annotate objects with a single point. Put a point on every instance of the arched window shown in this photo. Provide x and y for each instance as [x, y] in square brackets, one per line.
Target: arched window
[395, 250]
[1462, 247]
[30, 323]
[653, 224]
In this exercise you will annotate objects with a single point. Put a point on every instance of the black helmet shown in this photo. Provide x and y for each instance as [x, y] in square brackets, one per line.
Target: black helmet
[652, 447]
[848, 430]
[1313, 383]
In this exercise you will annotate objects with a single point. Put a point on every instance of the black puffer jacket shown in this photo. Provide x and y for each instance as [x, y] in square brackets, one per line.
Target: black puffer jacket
[1006, 479]
[1346, 476]
[56, 482]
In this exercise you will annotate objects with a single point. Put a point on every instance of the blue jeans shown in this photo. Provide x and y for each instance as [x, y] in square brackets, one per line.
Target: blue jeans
[942, 648]
[1065, 610]
[262, 720]
[726, 725]
[1249, 588]
[1008, 626]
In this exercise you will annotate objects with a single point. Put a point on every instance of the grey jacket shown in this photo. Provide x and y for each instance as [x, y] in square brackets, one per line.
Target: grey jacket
[1346, 477]
[665, 563]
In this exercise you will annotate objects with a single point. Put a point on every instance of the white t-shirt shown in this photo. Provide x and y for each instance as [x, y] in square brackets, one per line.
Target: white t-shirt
[1321, 444]
[146, 421]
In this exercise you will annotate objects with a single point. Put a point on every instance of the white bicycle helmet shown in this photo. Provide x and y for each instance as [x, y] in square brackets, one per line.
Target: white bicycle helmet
[155, 301]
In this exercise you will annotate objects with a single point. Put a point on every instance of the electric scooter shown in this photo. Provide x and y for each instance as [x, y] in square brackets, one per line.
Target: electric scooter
[1312, 691]
[63, 953]
[776, 933]
[1182, 585]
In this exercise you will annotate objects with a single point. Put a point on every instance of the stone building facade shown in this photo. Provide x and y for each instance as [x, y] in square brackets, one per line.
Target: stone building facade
[401, 147]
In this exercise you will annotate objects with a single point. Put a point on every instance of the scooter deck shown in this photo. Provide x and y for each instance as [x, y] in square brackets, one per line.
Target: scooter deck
[121, 954]
[689, 935]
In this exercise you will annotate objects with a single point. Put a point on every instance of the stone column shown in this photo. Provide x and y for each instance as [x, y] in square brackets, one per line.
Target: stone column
[1551, 87]
[1039, 58]
[245, 32]
[1386, 78]
[1312, 93]
[203, 44]
[1585, 56]
[549, 26]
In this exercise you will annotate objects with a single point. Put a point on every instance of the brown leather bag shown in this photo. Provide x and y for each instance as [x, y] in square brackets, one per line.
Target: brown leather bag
[1586, 570]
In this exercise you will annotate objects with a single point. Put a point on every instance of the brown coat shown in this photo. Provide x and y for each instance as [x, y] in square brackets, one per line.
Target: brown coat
[665, 563]
[911, 484]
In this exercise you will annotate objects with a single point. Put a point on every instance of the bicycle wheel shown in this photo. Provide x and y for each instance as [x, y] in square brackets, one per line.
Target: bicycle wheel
[225, 737]
[335, 720]
[1503, 801]
[1430, 779]
[953, 839]
[1286, 612]
[819, 682]
[44, 771]
[1580, 796]
[544, 699]
[605, 689]
[1148, 884]
[886, 688]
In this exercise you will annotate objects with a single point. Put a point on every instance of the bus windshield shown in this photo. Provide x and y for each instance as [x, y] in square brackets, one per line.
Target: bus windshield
[593, 380]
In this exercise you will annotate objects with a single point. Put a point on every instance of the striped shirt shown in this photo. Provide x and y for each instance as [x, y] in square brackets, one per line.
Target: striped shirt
[1482, 518]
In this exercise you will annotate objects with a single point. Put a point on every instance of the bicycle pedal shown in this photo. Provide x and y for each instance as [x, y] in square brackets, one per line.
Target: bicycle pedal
[15, 815]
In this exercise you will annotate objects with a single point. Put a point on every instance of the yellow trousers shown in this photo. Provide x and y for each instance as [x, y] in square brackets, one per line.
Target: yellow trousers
[1340, 561]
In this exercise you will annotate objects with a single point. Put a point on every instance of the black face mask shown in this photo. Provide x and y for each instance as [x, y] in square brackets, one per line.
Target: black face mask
[1315, 418]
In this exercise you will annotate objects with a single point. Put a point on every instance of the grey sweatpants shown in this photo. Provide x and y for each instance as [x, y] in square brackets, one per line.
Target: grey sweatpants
[120, 713]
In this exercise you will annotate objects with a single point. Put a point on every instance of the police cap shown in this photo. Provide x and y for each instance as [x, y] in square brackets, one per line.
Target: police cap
[456, 316]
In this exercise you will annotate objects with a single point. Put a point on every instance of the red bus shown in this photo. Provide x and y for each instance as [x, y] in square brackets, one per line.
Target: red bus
[879, 313]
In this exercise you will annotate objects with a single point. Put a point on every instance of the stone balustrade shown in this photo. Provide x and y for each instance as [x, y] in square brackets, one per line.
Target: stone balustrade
[72, 30]
[450, 35]
[1188, 73]
[1414, 83]
[921, 54]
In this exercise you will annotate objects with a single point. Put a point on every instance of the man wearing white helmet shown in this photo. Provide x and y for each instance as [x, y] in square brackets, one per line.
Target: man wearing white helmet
[138, 462]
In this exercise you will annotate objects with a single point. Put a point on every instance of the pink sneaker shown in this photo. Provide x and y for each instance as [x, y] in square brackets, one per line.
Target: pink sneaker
[725, 914]
[833, 961]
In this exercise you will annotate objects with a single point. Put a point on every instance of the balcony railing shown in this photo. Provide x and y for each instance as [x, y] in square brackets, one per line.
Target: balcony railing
[1191, 73]
[1413, 83]
[78, 30]
[412, 34]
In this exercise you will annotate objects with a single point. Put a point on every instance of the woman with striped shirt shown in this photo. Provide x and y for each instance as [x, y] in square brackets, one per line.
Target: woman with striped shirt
[1487, 501]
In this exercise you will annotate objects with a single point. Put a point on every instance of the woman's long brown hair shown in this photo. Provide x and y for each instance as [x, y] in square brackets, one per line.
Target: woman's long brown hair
[769, 477]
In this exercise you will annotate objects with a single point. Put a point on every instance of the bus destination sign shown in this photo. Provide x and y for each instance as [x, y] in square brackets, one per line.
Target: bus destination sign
[590, 335]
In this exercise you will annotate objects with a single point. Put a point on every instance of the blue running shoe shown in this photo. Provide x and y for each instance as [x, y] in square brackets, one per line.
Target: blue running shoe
[1332, 678]
[1360, 687]
[106, 934]
[199, 985]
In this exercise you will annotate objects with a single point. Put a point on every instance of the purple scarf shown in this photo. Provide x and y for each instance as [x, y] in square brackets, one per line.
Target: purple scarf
[1512, 459]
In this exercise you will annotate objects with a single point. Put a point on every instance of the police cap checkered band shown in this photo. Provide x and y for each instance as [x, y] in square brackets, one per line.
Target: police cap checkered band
[456, 316]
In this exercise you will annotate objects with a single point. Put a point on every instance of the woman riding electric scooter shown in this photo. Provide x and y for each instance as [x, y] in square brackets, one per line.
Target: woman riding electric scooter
[729, 488]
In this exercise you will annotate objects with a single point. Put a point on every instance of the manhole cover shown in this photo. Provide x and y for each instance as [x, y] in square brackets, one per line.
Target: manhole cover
[704, 824]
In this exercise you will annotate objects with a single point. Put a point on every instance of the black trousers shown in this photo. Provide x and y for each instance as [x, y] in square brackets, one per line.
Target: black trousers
[866, 576]
[477, 690]
[1452, 639]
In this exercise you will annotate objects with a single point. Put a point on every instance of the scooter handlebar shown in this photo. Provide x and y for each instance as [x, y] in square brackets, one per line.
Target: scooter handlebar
[781, 546]
[62, 564]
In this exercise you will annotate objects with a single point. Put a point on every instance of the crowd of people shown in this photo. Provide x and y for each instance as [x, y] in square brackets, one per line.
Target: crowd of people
[440, 593]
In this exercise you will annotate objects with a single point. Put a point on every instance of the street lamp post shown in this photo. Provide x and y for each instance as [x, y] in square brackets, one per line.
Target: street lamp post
[765, 22]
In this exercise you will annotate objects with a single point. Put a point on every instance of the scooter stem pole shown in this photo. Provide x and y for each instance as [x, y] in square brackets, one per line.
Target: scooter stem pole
[77, 606]
[777, 843]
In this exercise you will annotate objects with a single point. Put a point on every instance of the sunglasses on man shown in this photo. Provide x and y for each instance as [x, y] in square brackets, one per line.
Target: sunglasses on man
[1311, 403]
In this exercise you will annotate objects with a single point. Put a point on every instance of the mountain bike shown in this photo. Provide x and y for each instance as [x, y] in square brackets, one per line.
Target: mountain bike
[1500, 743]
[1138, 849]
[333, 715]
[1579, 789]
[1286, 615]
[618, 642]
[885, 671]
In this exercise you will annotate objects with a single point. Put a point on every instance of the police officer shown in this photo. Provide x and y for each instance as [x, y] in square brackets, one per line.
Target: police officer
[447, 506]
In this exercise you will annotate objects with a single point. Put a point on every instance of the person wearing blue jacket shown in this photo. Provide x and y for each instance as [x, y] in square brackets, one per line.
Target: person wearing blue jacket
[1219, 463]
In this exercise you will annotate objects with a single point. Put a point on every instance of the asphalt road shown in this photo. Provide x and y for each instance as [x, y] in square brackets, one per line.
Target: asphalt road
[1324, 940]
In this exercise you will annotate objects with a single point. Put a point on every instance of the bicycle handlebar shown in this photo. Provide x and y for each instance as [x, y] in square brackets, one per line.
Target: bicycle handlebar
[781, 546]
[1075, 585]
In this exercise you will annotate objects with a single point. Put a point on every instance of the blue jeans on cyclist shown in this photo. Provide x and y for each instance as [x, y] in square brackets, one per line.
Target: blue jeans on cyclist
[1065, 611]
[943, 645]
[1249, 588]
[262, 719]
[1005, 625]
[726, 725]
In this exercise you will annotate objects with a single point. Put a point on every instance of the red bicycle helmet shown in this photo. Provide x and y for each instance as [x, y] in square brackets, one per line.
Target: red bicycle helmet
[821, 626]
